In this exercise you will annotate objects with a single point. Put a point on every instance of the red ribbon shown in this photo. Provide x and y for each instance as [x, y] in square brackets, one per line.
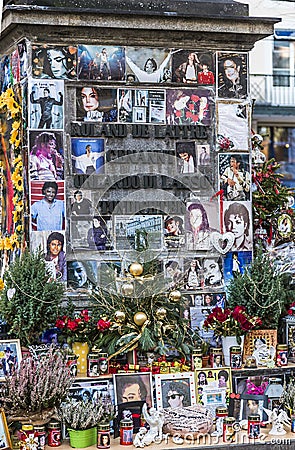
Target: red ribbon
[219, 194]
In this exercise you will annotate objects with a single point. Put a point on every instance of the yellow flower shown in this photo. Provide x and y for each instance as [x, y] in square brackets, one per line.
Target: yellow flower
[17, 143]
[1, 244]
[16, 216]
[17, 160]
[16, 177]
[8, 244]
[19, 207]
[16, 124]
[19, 185]
[1, 284]
[19, 229]
[13, 136]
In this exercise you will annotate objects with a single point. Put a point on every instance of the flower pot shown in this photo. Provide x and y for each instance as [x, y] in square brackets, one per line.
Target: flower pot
[228, 342]
[81, 350]
[82, 438]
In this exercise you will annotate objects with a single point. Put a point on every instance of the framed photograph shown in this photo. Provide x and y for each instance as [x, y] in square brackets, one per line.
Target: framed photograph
[212, 381]
[261, 344]
[87, 156]
[128, 410]
[186, 156]
[139, 114]
[54, 61]
[290, 336]
[234, 176]
[10, 357]
[253, 404]
[46, 104]
[5, 441]
[91, 390]
[98, 62]
[133, 387]
[203, 152]
[175, 390]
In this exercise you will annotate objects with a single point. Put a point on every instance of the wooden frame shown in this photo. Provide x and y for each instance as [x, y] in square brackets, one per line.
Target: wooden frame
[5, 440]
[10, 357]
[181, 385]
[270, 336]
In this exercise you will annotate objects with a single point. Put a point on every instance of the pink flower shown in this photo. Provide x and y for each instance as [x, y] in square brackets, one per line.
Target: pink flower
[195, 98]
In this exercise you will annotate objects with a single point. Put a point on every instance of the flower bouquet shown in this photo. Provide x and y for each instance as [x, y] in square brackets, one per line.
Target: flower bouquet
[80, 327]
[231, 322]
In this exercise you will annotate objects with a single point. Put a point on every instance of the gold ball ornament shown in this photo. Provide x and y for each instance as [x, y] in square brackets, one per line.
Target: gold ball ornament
[119, 317]
[127, 289]
[161, 313]
[175, 296]
[139, 318]
[136, 269]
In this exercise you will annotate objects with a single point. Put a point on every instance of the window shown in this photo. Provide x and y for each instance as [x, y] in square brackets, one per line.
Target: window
[281, 63]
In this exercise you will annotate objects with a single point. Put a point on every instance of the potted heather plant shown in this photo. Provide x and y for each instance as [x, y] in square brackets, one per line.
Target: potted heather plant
[33, 391]
[81, 419]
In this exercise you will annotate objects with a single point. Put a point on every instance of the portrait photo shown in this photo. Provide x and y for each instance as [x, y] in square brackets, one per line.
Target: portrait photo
[87, 156]
[91, 390]
[54, 62]
[46, 159]
[202, 219]
[198, 315]
[234, 176]
[233, 123]
[213, 272]
[93, 233]
[98, 62]
[10, 357]
[148, 65]
[253, 404]
[174, 234]
[5, 439]
[47, 205]
[193, 66]
[237, 220]
[175, 390]
[235, 264]
[53, 245]
[213, 386]
[82, 275]
[203, 152]
[46, 105]
[173, 272]
[96, 104]
[186, 156]
[188, 107]
[80, 202]
[232, 75]
[130, 387]
[138, 232]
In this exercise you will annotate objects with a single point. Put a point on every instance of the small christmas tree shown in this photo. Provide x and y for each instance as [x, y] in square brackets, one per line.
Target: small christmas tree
[142, 315]
[262, 289]
[30, 299]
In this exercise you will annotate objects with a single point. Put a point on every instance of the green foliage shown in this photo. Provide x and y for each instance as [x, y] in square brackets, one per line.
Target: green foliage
[262, 289]
[31, 300]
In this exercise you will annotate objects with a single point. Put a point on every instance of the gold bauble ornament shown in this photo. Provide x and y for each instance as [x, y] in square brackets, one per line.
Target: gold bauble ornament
[175, 296]
[139, 318]
[119, 317]
[161, 313]
[127, 289]
[136, 269]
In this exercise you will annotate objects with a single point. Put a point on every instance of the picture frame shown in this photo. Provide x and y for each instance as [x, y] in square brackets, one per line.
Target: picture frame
[289, 334]
[5, 440]
[10, 356]
[253, 404]
[210, 381]
[132, 387]
[269, 336]
[175, 390]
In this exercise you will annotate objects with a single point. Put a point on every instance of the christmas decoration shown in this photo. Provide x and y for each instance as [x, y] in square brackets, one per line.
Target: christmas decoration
[149, 320]
[127, 289]
[175, 296]
[136, 269]
[139, 318]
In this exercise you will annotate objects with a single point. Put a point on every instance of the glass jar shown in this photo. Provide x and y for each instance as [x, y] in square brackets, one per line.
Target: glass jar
[54, 434]
[126, 432]
[72, 364]
[282, 355]
[254, 426]
[229, 432]
[235, 355]
[41, 436]
[103, 363]
[92, 365]
[103, 435]
[216, 357]
[197, 358]
[27, 436]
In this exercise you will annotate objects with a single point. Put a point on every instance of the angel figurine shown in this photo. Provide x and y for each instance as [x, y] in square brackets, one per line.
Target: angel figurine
[277, 420]
[155, 419]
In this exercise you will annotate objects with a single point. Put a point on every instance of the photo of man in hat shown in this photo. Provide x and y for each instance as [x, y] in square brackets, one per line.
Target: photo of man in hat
[8, 362]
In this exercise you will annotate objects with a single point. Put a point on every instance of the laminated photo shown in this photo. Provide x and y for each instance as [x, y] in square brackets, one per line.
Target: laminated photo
[46, 105]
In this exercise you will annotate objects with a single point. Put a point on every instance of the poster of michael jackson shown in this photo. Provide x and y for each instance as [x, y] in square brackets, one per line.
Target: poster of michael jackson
[96, 104]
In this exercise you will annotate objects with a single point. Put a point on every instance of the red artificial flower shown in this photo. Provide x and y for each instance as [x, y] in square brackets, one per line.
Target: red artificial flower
[60, 324]
[178, 113]
[289, 312]
[191, 106]
[195, 98]
[189, 115]
[195, 117]
[72, 325]
[85, 315]
[103, 325]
